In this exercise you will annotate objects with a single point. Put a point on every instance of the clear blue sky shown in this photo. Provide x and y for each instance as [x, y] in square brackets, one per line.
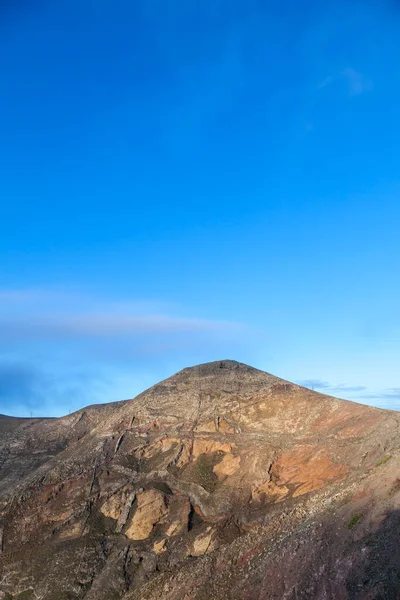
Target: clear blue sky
[187, 181]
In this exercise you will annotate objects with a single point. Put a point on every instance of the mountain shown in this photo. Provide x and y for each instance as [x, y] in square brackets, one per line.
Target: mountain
[220, 483]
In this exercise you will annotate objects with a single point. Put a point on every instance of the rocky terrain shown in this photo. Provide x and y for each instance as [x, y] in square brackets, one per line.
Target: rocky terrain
[220, 483]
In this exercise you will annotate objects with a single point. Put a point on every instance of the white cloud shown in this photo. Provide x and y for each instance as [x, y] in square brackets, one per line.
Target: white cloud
[61, 349]
[58, 314]
[317, 384]
[108, 324]
[355, 82]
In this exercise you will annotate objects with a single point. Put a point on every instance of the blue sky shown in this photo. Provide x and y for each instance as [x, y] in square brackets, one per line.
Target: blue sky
[190, 181]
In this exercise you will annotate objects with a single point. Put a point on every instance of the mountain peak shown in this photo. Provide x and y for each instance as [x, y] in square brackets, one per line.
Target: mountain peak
[218, 366]
[221, 459]
[215, 380]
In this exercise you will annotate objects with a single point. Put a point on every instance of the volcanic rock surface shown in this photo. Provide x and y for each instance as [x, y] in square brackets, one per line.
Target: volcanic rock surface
[220, 483]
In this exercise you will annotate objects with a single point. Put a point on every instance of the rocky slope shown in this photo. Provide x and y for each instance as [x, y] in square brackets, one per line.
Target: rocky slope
[221, 482]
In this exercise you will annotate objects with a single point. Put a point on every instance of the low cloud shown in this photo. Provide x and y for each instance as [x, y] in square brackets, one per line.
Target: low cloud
[388, 394]
[24, 389]
[348, 388]
[317, 384]
[314, 384]
[18, 382]
[27, 389]
[42, 314]
[61, 350]
[387, 398]
[107, 324]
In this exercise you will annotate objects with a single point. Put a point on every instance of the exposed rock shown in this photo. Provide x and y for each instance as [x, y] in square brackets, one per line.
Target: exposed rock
[208, 446]
[203, 543]
[159, 546]
[184, 453]
[123, 517]
[208, 427]
[269, 491]
[163, 445]
[72, 530]
[178, 515]
[114, 506]
[308, 469]
[151, 510]
[228, 466]
[224, 427]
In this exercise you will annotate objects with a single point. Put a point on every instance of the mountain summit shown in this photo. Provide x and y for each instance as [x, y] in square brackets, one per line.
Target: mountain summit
[220, 482]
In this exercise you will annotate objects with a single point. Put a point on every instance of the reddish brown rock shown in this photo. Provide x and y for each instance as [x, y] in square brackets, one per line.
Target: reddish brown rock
[307, 468]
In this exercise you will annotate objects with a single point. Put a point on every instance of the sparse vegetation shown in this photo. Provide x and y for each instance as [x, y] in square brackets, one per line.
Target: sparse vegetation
[354, 521]
[204, 470]
[25, 595]
[383, 461]
[201, 471]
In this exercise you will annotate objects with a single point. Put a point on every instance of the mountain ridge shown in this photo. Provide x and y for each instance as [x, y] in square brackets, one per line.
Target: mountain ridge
[196, 489]
[212, 368]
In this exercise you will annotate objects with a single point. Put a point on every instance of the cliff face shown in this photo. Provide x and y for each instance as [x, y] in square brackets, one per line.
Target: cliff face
[221, 482]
